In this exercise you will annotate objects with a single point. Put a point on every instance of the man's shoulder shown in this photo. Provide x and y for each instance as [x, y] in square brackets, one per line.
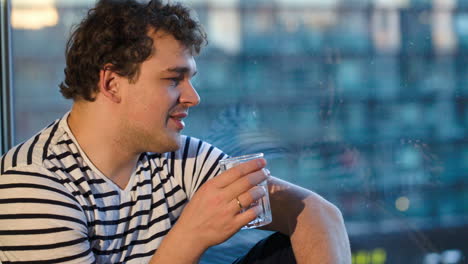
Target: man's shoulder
[33, 152]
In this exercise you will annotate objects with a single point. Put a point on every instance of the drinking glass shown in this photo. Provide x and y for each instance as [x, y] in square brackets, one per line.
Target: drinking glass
[264, 217]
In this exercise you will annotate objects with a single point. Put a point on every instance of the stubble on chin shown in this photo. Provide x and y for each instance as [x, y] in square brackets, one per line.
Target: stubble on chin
[175, 144]
[164, 144]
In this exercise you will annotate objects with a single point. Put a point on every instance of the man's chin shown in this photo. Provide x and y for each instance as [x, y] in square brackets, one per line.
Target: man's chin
[173, 143]
[177, 139]
[170, 143]
[174, 147]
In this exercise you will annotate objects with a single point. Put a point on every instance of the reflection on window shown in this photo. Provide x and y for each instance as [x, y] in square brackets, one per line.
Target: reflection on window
[364, 102]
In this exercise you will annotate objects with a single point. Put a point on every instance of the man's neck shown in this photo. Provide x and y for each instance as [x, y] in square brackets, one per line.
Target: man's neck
[99, 137]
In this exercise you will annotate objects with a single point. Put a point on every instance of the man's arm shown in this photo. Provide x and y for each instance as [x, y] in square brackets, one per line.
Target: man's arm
[315, 226]
[40, 221]
[212, 215]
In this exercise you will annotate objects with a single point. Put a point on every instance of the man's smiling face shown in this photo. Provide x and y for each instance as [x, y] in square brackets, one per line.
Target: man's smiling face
[155, 104]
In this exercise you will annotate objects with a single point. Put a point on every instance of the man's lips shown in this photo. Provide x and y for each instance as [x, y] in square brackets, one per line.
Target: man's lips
[179, 115]
[177, 120]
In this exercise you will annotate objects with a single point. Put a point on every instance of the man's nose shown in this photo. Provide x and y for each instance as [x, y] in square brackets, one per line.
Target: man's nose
[189, 95]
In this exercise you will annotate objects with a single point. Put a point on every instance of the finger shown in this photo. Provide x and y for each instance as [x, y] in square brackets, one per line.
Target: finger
[248, 198]
[232, 174]
[248, 216]
[246, 183]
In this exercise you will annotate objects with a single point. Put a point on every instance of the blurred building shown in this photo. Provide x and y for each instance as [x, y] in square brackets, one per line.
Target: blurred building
[362, 101]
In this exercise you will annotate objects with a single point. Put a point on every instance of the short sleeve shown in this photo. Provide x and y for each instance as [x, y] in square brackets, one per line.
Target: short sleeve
[40, 220]
[195, 163]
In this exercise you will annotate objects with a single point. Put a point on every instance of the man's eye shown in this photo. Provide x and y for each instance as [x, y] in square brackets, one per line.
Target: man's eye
[175, 80]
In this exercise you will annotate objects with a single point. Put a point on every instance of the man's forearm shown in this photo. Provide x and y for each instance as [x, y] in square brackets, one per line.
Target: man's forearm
[315, 226]
[177, 248]
[319, 235]
[212, 215]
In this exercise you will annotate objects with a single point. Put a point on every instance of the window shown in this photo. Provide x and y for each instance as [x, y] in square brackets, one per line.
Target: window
[5, 85]
[364, 102]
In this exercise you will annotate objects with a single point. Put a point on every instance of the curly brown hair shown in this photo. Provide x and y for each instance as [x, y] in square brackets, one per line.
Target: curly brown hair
[115, 33]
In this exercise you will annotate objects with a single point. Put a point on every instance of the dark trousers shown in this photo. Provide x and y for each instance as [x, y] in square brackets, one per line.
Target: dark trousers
[275, 249]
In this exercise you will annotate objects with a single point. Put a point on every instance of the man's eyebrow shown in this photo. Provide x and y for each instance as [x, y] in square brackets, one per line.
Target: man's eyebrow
[180, 70]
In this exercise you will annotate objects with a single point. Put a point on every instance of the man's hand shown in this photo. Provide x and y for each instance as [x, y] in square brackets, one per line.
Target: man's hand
[213, 214]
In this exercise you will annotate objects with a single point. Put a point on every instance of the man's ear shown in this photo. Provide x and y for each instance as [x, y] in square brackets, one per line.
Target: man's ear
[109, 84]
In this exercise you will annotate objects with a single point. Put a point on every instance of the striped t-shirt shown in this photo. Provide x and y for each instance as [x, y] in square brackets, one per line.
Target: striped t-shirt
[56, 207]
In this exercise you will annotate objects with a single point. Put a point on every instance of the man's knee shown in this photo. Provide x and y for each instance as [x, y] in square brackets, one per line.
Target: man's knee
[273, 249]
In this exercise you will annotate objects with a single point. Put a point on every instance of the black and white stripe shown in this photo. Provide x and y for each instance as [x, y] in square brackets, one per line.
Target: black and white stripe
[56, 207]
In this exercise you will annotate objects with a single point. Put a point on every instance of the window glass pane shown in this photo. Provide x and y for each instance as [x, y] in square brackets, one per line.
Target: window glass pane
[39, 33]
[362, 101]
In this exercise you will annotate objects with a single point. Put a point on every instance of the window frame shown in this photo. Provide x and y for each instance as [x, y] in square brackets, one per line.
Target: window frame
[6, 91]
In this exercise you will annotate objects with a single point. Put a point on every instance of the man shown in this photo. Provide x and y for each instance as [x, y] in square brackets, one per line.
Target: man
[113, 181]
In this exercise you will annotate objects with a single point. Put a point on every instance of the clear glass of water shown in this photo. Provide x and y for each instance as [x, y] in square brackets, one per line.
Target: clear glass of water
[264, 217]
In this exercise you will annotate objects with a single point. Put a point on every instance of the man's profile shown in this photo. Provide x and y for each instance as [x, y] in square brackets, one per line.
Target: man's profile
[115, 181]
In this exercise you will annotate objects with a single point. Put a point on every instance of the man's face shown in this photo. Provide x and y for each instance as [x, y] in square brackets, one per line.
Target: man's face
[155, 104]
